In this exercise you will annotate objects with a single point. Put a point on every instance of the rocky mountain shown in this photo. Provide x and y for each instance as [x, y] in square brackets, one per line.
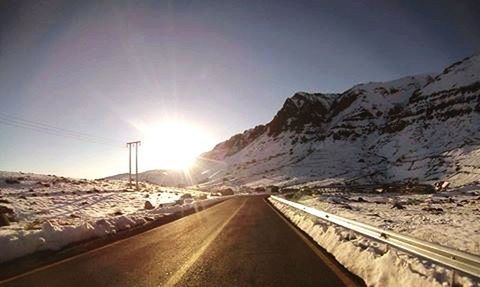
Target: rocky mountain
[423, 128]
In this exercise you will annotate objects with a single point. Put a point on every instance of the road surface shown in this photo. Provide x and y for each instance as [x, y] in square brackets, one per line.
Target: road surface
[240, 242]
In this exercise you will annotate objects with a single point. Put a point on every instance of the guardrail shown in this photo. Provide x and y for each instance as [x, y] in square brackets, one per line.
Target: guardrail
[455, 259]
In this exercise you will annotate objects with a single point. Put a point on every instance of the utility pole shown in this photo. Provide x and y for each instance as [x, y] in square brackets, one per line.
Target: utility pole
[129, 165]
[129, 145]
[136, 165]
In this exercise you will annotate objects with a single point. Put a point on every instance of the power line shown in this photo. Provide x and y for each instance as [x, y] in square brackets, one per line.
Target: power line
[15, 124]
[14, 121]
[47, 126]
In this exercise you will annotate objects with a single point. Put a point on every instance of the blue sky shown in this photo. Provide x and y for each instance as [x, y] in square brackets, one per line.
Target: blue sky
[99, 67]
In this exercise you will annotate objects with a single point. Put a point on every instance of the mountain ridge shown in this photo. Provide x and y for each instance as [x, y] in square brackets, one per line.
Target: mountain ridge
[416, 128]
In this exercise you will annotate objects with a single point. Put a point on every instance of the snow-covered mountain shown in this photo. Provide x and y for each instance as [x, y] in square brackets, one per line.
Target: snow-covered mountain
[423, 128]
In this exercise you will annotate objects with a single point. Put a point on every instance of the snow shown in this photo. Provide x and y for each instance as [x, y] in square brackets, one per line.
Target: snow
[454, 212]
[421, 128]
[51, 212]
[376, 263]
[463, 73]
[302, 98]
[384, 95]
[439, 141]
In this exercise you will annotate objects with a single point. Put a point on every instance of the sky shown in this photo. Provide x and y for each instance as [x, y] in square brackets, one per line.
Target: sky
[113, 69]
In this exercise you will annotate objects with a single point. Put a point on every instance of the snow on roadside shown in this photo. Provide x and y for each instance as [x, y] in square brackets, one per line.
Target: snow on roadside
[455, 212]
[376, 263]
[42, 212]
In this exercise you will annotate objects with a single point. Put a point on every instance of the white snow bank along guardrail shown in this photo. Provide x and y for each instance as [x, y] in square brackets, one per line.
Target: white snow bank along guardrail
[458, 260]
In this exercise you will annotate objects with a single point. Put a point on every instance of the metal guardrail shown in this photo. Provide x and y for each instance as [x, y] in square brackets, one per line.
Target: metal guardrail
[455, 259]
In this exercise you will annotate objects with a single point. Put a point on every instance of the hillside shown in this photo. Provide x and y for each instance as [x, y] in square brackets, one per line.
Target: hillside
[420, 128]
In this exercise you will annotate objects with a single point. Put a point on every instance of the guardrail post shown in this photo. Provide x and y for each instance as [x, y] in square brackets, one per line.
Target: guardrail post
[452, 279]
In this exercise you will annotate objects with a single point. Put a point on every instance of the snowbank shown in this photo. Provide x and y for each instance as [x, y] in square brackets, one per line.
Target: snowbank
[49, 212]
[455, 212]
[54, 236]
[376, 263]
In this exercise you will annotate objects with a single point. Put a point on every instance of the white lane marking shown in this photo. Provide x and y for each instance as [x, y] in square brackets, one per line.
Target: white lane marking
[180, 272]
[91, 251]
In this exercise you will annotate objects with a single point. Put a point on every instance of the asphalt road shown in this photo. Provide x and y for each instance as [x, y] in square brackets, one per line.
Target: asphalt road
[240, 242]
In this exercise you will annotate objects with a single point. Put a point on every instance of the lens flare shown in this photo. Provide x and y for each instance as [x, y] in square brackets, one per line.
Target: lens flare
[173, 144]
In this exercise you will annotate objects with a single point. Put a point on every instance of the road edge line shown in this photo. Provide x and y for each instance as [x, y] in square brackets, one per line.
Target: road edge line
[115, 242]
[340, 271]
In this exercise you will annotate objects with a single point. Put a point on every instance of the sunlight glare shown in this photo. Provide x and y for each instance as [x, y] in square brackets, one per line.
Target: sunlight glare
[173, 144]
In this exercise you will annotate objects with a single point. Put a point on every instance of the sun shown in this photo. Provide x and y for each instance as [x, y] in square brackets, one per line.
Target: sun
[173, 144]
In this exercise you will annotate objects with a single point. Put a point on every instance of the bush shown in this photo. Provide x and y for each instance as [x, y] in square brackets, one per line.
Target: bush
[148, 205]
[12, 181]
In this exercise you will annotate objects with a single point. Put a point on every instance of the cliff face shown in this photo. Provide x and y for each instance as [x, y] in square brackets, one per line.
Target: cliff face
[422, 128]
